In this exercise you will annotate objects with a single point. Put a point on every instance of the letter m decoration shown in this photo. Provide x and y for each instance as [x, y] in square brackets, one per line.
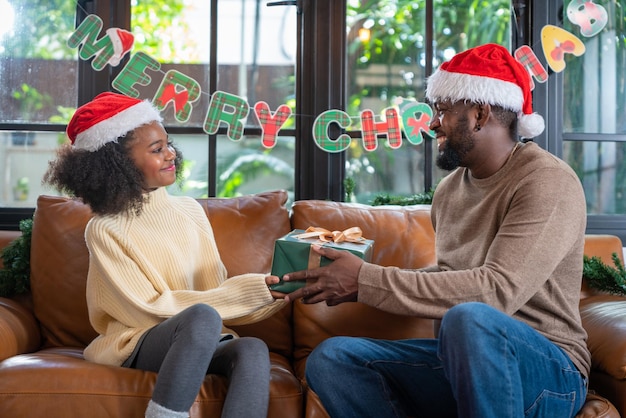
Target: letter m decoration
[107, 50]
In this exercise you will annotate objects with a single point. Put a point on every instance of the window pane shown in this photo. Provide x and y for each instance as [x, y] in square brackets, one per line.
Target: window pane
[196, 165]
[38, 85]
[38, 71]
[256, 50]
[601, 167]
[245, 166]
[24, 158]
[386, 64]
[178, 38]
[595, 83]
[257, 53]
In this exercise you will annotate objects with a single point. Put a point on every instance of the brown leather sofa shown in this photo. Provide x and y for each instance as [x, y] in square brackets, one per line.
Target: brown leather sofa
[42, 334]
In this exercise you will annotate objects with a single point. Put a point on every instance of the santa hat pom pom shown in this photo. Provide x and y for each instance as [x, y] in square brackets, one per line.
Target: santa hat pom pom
[529, 126]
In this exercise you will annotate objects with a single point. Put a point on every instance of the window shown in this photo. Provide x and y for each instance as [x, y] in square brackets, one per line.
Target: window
[594, 108]
[313, 56]
[241, 47]
[38, 92]
[392, 48]
[253, 58]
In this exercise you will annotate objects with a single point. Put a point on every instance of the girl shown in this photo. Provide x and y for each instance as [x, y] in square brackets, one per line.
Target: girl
[156, 289]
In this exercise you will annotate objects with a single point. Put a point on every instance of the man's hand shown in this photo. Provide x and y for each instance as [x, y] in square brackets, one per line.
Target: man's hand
[335, 283]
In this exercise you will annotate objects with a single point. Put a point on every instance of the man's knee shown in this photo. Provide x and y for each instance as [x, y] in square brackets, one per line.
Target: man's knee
[466, 318]
[325, 359]
[328, 350]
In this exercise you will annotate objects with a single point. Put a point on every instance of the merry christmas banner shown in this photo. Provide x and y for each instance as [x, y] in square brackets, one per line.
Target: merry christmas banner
[410, 117]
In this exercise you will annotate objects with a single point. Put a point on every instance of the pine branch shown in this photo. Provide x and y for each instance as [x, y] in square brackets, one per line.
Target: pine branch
[602, 277]
[416, 199]
[15, 275]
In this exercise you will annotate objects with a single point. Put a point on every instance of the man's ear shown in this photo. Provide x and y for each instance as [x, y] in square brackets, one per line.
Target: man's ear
[483, 112]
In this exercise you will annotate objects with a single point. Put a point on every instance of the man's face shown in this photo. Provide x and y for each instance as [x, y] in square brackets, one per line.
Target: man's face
[455, 138]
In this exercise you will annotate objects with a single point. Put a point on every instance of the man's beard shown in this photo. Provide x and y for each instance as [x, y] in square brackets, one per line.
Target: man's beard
[450, 157]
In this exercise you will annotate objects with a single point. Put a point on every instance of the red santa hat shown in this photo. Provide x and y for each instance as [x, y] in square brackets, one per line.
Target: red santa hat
[122, 41]
[488, 74]
[106, 118]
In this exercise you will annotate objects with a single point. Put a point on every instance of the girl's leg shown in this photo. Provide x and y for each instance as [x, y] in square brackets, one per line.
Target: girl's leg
[245, 362]
[180, 349]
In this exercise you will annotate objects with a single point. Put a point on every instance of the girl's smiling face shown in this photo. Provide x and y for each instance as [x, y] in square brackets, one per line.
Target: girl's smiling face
[153, 155]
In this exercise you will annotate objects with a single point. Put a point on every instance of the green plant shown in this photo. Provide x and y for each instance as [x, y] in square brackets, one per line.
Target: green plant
[248, 165]
[605, 278]
[425, 198]
[30, 100]
[15, 275]
[21, 188]
[350, 185]
[63, 116]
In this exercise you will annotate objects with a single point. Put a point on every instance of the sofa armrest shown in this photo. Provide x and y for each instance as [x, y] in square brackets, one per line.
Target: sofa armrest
[597, 407]
[604, 319]
[19, 330]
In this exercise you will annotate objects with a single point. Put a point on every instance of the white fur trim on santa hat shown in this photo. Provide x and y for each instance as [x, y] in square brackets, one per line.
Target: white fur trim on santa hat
[444, 85]
[530, 126]
[122, 42]
[109, 130]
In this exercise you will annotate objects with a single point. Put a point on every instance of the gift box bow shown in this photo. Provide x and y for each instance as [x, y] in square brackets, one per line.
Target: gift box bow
[353, 234]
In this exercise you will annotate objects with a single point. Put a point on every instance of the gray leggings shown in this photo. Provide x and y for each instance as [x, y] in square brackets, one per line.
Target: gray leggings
[187, 346]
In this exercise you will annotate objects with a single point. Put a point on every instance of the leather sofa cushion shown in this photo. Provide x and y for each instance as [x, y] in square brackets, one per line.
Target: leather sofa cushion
[59, 263]
[603, 246]
[58, 382]
[604, 318]
[19, 330]
[242, 225]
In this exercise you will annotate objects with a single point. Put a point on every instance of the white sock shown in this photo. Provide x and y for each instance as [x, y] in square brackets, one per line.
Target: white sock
[155, 410]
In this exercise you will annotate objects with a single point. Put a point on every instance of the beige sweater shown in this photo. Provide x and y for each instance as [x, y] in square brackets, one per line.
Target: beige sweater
[144, 269]
[513, 240]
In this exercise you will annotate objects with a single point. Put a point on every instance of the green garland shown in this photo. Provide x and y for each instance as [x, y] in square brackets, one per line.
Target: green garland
[425, 198]
[602, 277]
[15, 275]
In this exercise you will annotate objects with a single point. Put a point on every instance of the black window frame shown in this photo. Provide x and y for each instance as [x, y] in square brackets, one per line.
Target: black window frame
[321, 85]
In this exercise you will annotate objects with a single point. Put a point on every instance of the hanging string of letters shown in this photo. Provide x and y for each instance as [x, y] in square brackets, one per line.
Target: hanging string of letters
[410, 117]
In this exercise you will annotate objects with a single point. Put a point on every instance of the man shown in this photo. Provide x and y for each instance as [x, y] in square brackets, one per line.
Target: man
[510, 223]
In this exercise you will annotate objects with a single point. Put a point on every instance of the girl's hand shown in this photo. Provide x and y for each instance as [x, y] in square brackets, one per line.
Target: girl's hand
[270, 280]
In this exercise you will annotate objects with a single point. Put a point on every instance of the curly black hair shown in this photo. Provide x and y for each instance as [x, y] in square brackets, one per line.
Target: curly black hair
[107, 179]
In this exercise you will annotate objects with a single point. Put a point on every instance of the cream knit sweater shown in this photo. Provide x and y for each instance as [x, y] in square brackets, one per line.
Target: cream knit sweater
[513, 240]
[146, 268]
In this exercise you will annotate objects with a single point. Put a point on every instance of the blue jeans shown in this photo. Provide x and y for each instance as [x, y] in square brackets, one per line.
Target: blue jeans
[484, 364]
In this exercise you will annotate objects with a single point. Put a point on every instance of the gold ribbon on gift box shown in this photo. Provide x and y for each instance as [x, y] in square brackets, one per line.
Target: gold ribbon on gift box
[353, 234]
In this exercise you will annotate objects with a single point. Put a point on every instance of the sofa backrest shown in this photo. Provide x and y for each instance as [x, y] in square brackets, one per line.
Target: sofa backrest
[403, 237]
[245, 230]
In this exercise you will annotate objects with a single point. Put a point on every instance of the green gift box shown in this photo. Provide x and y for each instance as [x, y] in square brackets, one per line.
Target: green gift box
[292, 253]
